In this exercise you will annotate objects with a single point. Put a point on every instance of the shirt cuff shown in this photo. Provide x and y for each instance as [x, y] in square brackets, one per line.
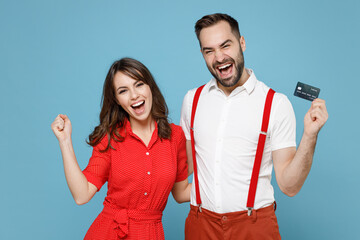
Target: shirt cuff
[92, 179]
[283, 145]
[181, 177]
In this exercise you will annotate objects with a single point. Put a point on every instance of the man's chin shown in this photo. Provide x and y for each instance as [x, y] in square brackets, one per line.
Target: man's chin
[227, 82]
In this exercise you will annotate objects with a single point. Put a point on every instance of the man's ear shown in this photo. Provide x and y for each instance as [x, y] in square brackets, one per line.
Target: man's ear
[242, 43]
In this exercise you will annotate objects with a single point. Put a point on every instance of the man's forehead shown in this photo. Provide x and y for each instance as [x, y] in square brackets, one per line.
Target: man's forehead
[216, 34]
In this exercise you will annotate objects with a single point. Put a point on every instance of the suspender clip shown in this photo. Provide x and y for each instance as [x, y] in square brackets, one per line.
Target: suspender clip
[250, 209]
[263, 133]
[200, 208]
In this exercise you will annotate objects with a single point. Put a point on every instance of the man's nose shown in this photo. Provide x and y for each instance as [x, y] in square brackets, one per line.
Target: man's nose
[219, 56]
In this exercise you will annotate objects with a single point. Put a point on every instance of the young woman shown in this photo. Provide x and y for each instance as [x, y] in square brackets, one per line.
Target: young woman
[135, 149]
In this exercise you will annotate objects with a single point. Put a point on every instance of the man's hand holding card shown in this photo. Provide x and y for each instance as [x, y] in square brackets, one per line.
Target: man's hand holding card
[317, 115]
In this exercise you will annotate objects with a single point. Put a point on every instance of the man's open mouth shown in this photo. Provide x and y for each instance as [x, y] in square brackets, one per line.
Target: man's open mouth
[225, 70]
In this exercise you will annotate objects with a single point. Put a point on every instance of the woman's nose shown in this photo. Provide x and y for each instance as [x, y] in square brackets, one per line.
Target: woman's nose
[134, 94]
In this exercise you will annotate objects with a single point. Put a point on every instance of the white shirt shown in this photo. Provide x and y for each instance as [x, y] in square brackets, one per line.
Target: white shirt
[226, 132]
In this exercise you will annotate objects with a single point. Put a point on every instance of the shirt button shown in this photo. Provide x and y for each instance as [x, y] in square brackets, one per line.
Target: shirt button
[145, 193]
[148, 173]
[224, 218]
[147, 153]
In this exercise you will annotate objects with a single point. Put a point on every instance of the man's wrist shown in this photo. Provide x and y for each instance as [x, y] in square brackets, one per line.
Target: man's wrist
[310, 136]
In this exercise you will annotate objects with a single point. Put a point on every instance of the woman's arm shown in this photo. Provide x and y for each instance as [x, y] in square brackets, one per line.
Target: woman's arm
[181, 191]
[81, 190]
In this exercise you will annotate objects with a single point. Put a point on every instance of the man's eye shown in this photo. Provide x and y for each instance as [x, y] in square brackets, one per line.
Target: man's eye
[208, 52]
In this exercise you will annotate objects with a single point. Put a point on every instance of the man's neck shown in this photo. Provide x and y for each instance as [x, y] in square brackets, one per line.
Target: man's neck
[228, 90]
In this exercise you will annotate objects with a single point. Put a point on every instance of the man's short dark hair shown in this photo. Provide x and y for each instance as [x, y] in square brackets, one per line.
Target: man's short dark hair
[210, 20]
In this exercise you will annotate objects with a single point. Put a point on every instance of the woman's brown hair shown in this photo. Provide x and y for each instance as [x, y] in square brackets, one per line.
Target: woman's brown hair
[113, 116]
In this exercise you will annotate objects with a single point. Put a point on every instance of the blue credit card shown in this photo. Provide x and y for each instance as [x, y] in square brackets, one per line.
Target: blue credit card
[306, 91]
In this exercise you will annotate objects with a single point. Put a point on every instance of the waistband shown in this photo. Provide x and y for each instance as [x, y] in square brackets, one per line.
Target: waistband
[261, 212]
[121, 217]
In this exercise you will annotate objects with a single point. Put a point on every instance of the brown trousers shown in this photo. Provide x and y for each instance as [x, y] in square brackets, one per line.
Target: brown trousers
[208, 225]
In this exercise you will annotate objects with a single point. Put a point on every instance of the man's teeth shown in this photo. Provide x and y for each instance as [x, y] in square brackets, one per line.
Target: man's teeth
[225, 66]
[137, 104]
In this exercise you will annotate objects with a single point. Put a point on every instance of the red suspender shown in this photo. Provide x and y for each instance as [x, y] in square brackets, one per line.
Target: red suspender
[193, 110]
[259, 152]
[258, 155]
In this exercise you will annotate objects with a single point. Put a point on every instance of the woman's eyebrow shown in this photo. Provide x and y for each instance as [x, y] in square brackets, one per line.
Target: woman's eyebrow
[120, 87]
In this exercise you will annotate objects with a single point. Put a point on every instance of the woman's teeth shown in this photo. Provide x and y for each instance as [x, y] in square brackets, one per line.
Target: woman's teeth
[137, 104]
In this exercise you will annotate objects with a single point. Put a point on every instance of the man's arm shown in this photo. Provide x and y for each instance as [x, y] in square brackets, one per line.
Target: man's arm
[292, 166]
[189, 157]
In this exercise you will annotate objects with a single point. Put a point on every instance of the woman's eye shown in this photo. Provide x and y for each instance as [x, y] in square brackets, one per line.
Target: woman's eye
[140, 84]
[122, 91]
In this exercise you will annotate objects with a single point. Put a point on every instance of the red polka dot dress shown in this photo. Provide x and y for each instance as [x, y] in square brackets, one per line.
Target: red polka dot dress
[140, 179]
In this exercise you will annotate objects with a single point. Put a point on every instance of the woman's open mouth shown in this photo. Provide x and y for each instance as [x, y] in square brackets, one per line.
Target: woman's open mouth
[139, 107]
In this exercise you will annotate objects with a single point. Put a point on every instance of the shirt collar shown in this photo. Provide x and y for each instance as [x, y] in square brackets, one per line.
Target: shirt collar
[249, 85]
[154, 136]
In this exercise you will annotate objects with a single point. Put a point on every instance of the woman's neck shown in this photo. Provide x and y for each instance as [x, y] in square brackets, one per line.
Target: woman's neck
[143, 129]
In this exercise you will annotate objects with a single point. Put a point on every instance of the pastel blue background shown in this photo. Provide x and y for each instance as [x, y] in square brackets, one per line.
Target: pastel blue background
[54, 56]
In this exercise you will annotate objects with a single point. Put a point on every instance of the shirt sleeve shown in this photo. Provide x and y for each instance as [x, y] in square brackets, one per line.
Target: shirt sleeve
[97, 171]
[185, 116]
[182, 166]
[283, 132]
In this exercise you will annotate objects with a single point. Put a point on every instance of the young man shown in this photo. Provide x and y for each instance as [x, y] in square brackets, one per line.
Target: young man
[227, 125]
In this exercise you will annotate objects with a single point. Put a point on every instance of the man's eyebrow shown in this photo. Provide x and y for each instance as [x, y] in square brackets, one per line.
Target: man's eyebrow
[221, 45]
[206, 48]
[224, 43]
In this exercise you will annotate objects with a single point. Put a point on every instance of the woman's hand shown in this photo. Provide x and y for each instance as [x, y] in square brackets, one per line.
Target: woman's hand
[81, 190]
[62, 127]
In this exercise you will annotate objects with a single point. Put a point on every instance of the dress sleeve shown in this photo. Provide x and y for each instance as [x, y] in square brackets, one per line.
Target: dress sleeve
[97, 171]
[182, 167]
